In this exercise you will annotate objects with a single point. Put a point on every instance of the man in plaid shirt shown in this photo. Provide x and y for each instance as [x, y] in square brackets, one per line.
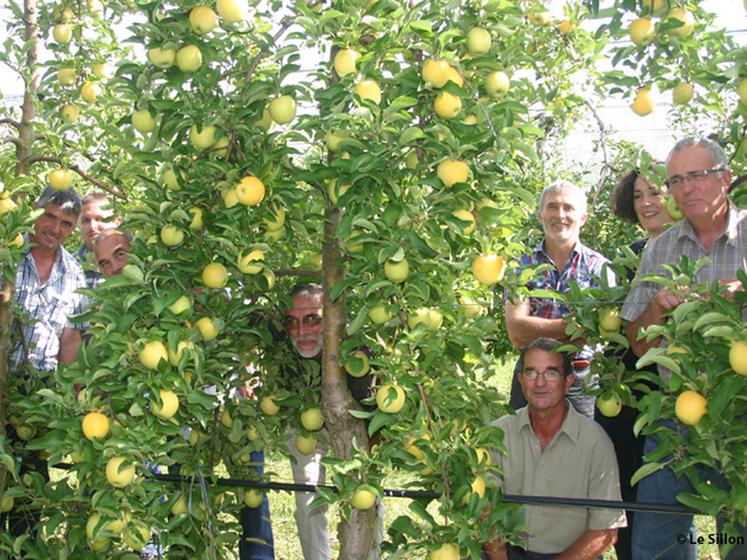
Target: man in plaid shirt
[562, 212]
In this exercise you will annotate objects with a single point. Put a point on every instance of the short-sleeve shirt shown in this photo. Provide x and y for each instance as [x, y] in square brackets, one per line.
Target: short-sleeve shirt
[728, 254]
[579, 463]
[582, 266]
[49, 307]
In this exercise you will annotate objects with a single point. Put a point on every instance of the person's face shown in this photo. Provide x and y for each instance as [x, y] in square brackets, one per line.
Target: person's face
[304, 324]
[95, 217]
[648, 203]
[561, 217]
[698, 197]
[112, 254]
[541, 393]
[53, 227]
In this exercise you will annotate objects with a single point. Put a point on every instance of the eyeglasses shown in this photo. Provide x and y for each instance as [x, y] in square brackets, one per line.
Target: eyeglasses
[550, 374]
[695, 176]
[311, 320]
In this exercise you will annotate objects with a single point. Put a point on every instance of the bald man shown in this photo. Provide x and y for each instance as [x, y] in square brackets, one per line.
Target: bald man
[111, 249]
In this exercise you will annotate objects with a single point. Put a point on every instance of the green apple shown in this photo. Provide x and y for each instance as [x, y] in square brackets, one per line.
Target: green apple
[66, 75]
[609, 319]
[202, 139]
[380, 314]
[390, 398]
[283, 109]
[478, 41]
[162, 58]
[364, 497]
[397, 272]
[672, 208]
[171, 236]
[497, 84]
[182, 304]
[312, 419]
[609, 404]
[357, 364]
[143, 121]
[232, 11]
[202, 20]
[188, 58]
[62, 33]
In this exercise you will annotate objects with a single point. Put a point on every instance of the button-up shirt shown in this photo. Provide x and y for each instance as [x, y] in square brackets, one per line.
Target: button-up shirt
[48, 308]
[93, 276]
[579, 462]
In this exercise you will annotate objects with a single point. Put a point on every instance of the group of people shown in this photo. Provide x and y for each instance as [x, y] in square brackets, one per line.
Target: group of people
[555, 446]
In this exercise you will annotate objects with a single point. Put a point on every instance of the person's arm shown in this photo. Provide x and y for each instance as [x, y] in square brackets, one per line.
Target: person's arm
[522, 327]
[590, 545]
[654, 314]
[69, 342]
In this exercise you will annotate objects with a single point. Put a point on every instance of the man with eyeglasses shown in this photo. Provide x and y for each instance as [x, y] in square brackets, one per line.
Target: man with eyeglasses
[713, 228]
[553, 450]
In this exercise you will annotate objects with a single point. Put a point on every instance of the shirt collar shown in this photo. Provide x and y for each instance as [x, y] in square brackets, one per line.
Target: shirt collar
[577, 248]
[731, 231]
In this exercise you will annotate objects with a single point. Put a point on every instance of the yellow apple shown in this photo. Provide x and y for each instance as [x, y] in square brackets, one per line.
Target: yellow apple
[196, 223]
[283, 109]
[609, 405]
[215, 275]
[266, 121]
[136, 536]
[306, 445]
[682, 93]
[478, 41]
[489, 269]
[117, 476]
[66, 75]
[686, 17]
[277, 223]
[654, 6]
[89, 91]
[69, 113]
[539, 18]
[207, 328]
[357, 364]
[447, 105]
[690, 407]
[246, 263]
[435, 72]
[143, 121]
[363, 498]
[465, 216]
[188, 58]
[95, 7]
[470, 308]
[268, 406]
[253, 498]
[642, 32]
[453, 75]
[397, 271]
[202, 139]
[99, 70]
[380, 314]
[609, 319]
[62, 33]
[643, 104]
[169, 178]
[312, 419]
[452, 171]
[6, 503]
[333, 139]
[152, 353]
[171, 236]
[220, 148]
[738, 357]
[446, 551]
[95, 425]
[345, 61]
[232, 11]
[162, 58]
[368, 90]
[497, 83]
[390, 398]
[250, 191]
[183, 345]
[169, 405]
[182, 304]
[429, 317]
[565, 27]
[60, 179]
[742, 91]
[179, 506]
[202, 20]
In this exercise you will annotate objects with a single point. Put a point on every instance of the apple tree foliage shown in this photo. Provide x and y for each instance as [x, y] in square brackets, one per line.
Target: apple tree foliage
[350, 177]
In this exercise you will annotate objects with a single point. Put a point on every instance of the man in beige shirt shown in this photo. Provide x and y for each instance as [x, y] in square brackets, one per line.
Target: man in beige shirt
[555, 451]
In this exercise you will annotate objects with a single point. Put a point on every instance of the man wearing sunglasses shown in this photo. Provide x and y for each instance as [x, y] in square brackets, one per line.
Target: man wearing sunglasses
[713, 228]
[553, 450]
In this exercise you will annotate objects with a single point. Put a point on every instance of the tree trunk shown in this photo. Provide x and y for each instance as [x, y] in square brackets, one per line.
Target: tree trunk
[356, 533]
[23, 153]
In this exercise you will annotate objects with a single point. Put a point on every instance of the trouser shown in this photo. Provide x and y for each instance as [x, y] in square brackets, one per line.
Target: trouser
[629, 450]
[582, 403]
[665, 536]
[256, 538]
[312, 522]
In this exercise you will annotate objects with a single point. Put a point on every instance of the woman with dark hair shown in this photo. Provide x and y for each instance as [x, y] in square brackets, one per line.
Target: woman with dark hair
[640, 200]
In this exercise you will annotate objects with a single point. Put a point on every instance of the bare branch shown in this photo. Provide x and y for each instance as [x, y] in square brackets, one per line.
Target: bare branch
[14, 123]
[88, 177]
[10, 140]
[606, 167]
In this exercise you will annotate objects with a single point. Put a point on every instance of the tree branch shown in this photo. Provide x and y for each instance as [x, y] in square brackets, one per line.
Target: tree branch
[603, 144]
[14, 123]
[10, 140]
[90, 178]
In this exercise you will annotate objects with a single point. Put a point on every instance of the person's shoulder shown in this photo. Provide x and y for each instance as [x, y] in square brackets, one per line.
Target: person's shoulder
[591, 433]
[509, 420]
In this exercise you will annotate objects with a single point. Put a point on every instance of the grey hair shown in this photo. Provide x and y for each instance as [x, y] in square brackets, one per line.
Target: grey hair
[548, 345]
[718, 156]
[112, 231]
[567, 187]
[68, 200]
[310, 289]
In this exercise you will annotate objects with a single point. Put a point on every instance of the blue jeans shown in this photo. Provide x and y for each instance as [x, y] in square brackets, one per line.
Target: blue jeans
[666, 536]
[256, 538]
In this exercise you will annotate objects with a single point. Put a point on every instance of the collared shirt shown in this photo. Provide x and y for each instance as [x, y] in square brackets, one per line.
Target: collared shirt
[85, 258]
[579, 462]
[48, 306]
[582, 266]
[728, 254]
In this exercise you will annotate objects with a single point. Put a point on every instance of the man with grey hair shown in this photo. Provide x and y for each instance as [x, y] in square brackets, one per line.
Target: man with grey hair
[713, 228]
[47, 280]
[562, 213]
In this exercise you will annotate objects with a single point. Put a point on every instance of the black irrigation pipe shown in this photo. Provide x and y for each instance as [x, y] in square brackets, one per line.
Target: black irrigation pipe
[429, 494]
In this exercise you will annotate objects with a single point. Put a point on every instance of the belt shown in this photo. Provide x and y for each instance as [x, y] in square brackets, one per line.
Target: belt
[580, 365]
